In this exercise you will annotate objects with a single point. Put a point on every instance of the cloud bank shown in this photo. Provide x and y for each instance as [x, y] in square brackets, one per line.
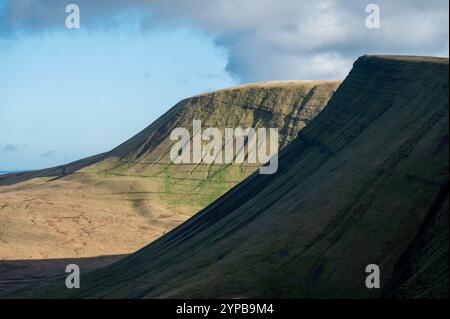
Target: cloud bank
[265, 39]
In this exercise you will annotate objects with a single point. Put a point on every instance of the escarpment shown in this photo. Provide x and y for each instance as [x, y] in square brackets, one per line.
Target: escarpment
[361, 184]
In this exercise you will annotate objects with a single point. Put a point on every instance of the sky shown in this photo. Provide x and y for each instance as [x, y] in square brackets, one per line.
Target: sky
[70, 93]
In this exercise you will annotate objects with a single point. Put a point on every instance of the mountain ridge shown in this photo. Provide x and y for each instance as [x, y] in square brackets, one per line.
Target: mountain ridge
[352, 189]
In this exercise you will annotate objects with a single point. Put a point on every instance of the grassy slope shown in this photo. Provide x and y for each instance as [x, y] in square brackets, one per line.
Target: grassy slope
[353, 189]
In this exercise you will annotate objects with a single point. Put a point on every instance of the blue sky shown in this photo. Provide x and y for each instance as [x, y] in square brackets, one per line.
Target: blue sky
[70, 93]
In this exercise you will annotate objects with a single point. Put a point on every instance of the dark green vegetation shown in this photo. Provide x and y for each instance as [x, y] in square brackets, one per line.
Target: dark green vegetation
[366, 182]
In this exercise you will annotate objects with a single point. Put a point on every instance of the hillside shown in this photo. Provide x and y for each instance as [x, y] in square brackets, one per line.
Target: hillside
[116, 202]
[365, 182]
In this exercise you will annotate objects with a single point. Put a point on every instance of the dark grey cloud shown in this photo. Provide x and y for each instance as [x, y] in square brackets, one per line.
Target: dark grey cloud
[147, 74]
[50, 153]
[13, 148]
[265, 39]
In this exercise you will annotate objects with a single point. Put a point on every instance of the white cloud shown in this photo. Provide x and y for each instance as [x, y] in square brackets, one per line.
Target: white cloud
[268, 39]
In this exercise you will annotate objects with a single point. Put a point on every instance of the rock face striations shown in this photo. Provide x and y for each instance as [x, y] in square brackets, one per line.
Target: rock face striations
[366, 182]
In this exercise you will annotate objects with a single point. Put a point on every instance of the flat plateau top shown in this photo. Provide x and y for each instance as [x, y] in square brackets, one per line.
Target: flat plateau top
[275, 84]
[410, 58]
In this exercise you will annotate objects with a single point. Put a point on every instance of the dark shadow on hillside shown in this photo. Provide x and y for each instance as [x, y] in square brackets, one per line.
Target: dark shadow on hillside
[16, 274]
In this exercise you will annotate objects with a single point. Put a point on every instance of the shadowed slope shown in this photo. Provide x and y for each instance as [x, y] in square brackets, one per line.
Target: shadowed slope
[422, 270]
[16, 274]
[353, 189]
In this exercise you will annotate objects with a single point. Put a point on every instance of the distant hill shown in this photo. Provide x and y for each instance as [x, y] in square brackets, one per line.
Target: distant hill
[366, 182]
[11, 172]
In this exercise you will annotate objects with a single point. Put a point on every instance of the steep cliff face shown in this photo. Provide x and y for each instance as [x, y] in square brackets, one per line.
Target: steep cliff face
[114, 203]
[352, 189]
